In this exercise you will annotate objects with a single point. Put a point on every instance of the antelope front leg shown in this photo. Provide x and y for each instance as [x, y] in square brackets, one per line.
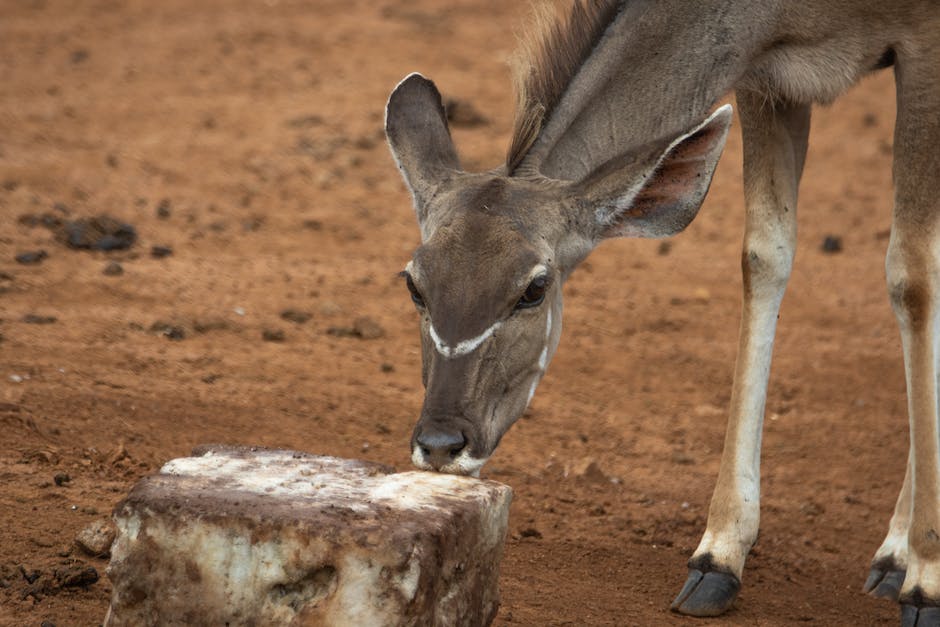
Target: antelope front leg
[913, 274]
[775, 136]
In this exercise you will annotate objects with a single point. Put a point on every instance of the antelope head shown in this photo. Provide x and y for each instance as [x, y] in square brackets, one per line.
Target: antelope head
[495, 250]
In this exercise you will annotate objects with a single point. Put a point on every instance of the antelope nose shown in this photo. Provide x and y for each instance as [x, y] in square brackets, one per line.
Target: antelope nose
[440, 447]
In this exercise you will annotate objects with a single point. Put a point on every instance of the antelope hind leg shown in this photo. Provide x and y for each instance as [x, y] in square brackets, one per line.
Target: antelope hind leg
[775, 136]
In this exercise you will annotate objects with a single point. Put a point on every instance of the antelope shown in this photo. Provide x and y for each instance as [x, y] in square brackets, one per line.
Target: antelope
[615, 135]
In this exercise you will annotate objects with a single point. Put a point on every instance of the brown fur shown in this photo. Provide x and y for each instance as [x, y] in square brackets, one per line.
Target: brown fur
[549, 55]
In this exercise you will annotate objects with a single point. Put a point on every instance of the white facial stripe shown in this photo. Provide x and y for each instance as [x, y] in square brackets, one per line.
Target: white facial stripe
[464, 347]
[535, 384]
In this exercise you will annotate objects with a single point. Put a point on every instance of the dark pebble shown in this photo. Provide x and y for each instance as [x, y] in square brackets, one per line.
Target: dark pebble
[530, 532]
[98, 233]
[159, 252]
[664, 248]
[388, 367]
[298, 317]
[31, 257]
[30, 575]
[76, 575]
[463, 113]
[171, 331]
[61, 479]
[113, 269]
[37, 319]
[272, 335]
[163, 209]
[832, 244]
[47, 623]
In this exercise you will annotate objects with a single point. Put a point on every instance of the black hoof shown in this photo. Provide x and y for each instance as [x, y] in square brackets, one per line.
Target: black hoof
[706, 594]
[913, 616]
[884, 580]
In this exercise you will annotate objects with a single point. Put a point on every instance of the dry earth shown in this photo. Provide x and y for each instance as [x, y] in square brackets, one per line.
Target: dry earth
[246, 137]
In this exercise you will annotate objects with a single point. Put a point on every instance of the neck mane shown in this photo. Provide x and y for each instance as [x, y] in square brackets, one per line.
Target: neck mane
[610, 76]
[549, 56]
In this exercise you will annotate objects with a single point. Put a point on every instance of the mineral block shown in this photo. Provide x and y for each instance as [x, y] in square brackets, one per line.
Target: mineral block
[247, 536]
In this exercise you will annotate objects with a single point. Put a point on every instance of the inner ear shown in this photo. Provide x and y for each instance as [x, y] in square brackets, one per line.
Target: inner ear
[657, 191]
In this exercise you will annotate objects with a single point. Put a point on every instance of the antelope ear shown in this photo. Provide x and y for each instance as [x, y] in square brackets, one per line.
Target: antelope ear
[657, 190]
[416, 128]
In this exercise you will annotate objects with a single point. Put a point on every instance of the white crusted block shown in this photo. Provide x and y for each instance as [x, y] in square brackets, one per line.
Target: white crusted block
[245, 536]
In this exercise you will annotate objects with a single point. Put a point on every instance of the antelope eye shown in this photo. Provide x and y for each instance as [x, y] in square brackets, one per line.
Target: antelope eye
[415, 294]
[534, 294]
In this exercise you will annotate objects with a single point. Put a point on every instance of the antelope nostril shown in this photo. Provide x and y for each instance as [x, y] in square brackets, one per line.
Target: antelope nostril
[440, 445]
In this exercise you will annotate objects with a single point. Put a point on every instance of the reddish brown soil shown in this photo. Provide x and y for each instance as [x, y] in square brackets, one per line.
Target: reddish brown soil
[260, 124]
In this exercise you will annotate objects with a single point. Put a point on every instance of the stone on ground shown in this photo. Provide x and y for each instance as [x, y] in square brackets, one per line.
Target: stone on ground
[244, 536]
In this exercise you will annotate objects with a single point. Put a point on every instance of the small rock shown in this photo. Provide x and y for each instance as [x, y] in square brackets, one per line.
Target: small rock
[118, 454]
[367, 328]
[364, 328]
[387, 367]
[96, 538]
[809, 508]
[463, 113]
[530, 532]
[665, 247]
[589, 470]
[305, 121]
[79, 56]
[210, 324]
[832, 244]
[295, 316]
[159, 252]
[113, 269]
[272, 335]
[37, 319]
[31, 257]
[163, 209]
[171, 331]
[75, 575]
[30, 575]
[61, 479]
[98, 233]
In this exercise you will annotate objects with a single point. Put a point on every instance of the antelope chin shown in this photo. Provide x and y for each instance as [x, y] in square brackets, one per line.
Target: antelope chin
[463, 464]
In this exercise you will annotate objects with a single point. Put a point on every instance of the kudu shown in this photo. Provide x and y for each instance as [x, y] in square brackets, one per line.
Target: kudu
[613, 138]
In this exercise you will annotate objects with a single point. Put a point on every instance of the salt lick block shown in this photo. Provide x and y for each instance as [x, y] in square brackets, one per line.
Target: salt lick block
[246, 536]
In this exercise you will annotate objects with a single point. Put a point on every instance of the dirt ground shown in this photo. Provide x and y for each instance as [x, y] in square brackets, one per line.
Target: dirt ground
[246, 137]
